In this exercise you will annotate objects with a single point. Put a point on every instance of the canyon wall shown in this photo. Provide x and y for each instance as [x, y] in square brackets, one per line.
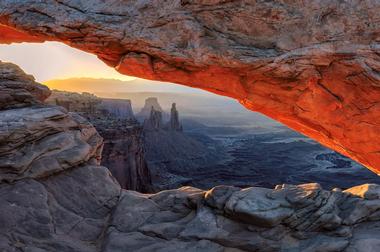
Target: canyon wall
[170, 153]
[74, 102]
[123, 142]
[118, 108]
[313, 65]
[124, 153]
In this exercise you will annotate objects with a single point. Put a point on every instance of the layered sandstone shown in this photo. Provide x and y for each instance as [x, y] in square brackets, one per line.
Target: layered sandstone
[287, 218]
[124, 152]
[74, 102]
[123, 142]
[19, 90]
[118, 108]
[56, 198]
[310, 65]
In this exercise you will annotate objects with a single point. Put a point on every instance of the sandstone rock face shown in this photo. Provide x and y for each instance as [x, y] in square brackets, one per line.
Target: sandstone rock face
[74, 102]
[18, 89]
[38, 141]
[123, 148]
[310, 65]
[53, 194]
[124, 153]
[288, 218]
[118, 108]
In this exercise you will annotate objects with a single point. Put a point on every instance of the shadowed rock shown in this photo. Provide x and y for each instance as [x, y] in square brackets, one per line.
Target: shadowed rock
[123, 148]
[174, 123]
[154, 121]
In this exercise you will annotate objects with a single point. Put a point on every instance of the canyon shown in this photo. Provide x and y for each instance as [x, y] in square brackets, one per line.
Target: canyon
[314, 67]
[55, 196]
[140, 155]
[123, 148]
[155, 152]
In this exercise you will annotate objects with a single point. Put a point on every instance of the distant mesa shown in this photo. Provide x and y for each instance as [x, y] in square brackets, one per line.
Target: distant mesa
[119, 108]
[156, 117]
[91, 104]
[151, 102]
[74, 102]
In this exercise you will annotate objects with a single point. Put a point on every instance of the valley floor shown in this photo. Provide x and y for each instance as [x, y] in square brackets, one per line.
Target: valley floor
[267, 157]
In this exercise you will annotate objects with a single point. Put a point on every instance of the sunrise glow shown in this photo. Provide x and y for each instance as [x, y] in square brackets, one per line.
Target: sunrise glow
[53, 60]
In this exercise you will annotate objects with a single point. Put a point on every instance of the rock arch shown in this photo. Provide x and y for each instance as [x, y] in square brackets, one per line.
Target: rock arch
[313, 66]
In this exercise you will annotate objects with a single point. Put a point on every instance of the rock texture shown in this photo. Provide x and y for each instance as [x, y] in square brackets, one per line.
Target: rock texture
[19, 90]
[60, 199]
[288, 218]
[124, 152]
[123, 142]
[74, 102]
[310, 65]
[54, 196]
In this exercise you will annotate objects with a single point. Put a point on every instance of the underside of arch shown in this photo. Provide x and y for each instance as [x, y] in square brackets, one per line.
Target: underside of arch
[314, 67]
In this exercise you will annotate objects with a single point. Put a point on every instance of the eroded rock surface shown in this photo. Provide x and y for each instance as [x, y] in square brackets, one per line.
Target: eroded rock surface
[287, 218]
[18, 89]
[74, 102]
[54, 196]
[313, 65]
[123, 146]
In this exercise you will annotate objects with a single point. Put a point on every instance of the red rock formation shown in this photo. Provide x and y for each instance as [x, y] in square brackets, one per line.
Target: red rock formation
[313, 66]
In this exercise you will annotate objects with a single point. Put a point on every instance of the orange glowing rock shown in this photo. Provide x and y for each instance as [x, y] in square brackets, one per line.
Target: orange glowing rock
[310, 66]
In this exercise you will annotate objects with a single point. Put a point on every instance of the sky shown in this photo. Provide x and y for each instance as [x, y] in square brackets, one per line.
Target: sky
[53, 60]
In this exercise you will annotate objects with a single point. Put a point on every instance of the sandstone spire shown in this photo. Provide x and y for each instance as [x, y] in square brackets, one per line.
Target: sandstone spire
[154, 122]
[174, 123]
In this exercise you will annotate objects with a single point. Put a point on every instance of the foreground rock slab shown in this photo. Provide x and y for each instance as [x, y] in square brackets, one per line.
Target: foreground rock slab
[313, 65]
[54, 196]
[287, 218]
